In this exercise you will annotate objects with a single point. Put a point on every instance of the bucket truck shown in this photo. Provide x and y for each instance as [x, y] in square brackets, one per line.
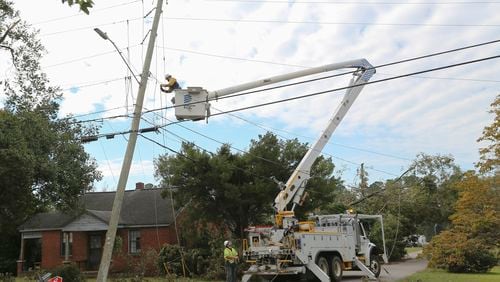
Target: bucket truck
[324, 245]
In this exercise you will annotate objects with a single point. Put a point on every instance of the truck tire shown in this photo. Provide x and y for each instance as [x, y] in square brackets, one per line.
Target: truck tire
[337, 268]
[324, 265]
[375, 265]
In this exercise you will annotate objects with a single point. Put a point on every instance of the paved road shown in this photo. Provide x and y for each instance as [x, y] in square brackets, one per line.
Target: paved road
[393, 271]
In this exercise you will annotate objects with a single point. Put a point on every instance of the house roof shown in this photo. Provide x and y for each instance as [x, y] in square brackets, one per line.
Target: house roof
[143, 207]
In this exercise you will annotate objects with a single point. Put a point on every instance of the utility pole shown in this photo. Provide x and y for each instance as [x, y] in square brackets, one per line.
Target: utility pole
[129, 154]
[363, 185]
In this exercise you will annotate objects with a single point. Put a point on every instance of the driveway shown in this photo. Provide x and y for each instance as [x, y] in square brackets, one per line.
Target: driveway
[393, 271]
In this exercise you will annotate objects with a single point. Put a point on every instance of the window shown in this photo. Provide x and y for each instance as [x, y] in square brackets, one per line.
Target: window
[134, 242]
[66, 237]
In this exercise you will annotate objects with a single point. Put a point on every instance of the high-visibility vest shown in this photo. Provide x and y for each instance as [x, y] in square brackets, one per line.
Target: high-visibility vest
[230, 252]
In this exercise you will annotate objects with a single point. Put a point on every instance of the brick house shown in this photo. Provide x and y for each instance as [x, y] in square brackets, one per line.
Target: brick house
[49, 239]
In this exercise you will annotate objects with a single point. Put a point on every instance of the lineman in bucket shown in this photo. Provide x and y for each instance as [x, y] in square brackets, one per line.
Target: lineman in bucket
[230, 259]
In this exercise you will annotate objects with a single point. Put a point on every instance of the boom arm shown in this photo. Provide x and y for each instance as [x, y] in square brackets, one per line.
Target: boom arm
[194, 105]
[295, 186]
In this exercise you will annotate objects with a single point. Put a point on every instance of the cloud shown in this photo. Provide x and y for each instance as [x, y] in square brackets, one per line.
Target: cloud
[402, 117]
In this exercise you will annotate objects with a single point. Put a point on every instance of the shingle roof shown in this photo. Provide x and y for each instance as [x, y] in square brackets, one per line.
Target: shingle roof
[140, 207]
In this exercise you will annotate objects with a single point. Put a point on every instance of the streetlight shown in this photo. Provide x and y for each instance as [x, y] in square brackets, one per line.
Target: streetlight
[105, 36]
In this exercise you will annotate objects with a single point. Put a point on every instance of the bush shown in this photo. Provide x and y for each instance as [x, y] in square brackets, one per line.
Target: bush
[69, 273]
[140, 266]
[455, 252]
[390, 227]
[207, 263]
[6, 277]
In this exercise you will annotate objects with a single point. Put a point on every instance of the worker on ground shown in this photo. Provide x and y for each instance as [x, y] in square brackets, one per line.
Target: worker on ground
[230, 259]
[171, 84]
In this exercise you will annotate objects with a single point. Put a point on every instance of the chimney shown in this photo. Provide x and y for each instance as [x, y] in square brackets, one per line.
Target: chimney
[139, 186]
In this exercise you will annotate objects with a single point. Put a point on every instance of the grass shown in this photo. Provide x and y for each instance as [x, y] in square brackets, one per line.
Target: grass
[433, 275]
[413, 249]
[148, 279]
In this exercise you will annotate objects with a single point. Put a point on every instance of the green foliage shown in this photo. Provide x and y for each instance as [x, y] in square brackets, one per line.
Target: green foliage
[392, 230]
[437, 275]
[198, 262]
[69, 273]
[456, 252]
[467, 246]
[143, 265]
[84, 4]
[489, 156]
[235, 190]
[42, 164]
[7, 277]
[415, 203]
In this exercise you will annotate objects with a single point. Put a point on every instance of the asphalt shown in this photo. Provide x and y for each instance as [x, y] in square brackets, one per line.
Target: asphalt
[393, 271]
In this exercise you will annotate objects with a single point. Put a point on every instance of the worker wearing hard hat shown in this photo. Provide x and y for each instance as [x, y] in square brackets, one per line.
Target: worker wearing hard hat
[171, 84]
[230, 258]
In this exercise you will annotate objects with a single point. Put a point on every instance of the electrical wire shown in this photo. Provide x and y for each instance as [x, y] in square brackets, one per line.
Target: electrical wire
[304, 67]
[326, 23]
[93, 113]
[343, 88]
[84, 58]
[260, 157]
[94, 84]
[358, 2]
[80, 14]
[296, 97]
[344, 73]
[88, 27]
[274, 130]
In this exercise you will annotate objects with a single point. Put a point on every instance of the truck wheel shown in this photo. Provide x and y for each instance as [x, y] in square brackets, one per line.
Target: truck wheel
[375, 266]
[337, 269]
[323, 264]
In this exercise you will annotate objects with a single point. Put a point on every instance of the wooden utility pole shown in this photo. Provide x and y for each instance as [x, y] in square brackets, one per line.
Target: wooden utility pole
[129, 154]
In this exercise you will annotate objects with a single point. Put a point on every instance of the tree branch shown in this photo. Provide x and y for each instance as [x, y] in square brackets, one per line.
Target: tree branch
[12, 53]
[7, 31]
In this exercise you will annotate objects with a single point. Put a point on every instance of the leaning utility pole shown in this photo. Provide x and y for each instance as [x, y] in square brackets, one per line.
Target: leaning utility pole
[127, 161]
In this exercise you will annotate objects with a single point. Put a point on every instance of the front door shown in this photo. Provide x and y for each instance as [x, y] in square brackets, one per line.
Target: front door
[95, 251]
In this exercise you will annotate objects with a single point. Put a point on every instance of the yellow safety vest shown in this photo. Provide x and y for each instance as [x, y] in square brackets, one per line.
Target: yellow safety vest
[171, 82]
[230, 252]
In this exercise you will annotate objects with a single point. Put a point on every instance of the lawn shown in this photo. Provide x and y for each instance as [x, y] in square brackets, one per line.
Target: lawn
[149, 279]
[413, 249]
[432, 275]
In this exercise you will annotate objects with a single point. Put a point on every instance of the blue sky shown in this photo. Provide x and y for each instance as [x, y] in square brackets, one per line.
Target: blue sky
[217, 44]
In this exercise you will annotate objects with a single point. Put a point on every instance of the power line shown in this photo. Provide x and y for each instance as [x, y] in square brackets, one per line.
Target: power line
[371, 82]
[89, 27]
[95, 83]
[80, 14]
[259, 157]
[93, 113]
[206, 151]
[345, 73]
[86, 57]
[168, 148]
[274, 130]
[326, 23]
[347, 87]
[301, 66]
[307, 95]
[359, 2]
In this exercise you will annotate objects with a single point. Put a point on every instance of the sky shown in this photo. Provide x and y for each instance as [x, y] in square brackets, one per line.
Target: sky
[216, 44]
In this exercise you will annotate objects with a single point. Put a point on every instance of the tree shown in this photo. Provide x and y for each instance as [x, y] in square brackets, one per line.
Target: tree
[415, 203]
[489, 156]
[84, 4]
[235, 190]
[43, 166]
[467, 246]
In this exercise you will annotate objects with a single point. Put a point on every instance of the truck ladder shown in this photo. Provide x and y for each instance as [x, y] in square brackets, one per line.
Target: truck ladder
[365, 269]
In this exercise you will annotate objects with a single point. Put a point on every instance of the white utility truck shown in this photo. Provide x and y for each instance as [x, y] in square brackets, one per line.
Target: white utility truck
[324, 245]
